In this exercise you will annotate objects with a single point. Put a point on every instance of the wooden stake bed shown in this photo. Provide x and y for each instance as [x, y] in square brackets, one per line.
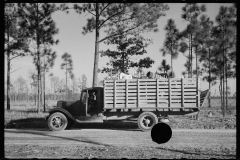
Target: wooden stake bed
[172, 93]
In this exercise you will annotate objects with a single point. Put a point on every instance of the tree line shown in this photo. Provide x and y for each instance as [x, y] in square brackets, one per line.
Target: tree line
[29, 31]
[56, 89]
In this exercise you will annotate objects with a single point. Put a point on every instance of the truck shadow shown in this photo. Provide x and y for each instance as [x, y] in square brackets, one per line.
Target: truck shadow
[111, 125]
[40, 123]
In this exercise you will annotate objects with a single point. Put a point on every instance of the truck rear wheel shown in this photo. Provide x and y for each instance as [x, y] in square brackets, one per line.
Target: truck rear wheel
[147, 120]
[57, 121]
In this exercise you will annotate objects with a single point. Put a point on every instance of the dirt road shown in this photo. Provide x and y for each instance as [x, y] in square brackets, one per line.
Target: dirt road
[107, 143]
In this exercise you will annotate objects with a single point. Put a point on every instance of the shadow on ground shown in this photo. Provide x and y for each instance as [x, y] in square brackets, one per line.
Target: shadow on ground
[41, 123]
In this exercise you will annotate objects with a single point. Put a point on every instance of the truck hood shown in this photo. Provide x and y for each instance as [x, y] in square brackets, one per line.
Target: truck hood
[73, 107]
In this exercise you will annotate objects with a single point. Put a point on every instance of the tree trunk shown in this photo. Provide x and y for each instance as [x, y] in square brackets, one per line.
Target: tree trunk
[38, 67]
[224, 108]
[226, 87]
[220, 91]
[189, 69]
[66, 83]
[226, 95]
[8, 74]
[44, 104]
[209, 81]
[191, 55]
[8, 81]
[35, 96]
[96, 56]
[171, 65]
[196, 64]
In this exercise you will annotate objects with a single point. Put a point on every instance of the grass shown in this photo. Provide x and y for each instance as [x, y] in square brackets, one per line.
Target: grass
[24, 115]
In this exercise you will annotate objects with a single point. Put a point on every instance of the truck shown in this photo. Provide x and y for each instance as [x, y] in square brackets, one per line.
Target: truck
[145, 100]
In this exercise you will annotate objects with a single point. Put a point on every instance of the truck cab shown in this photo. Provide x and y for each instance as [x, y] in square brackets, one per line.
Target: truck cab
[88, 109]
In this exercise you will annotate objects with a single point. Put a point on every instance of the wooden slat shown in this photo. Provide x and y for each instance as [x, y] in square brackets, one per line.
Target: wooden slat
[152, 106]
[175, 90]
[189, 89]
[114, 100]
[126, 93]
[138, 99]
[147, 83]
[104, 83]
[169, 92]
[146, 87]
[157, 93]
[198, 93]
[189, 93]
[182, 93]
[146, 80]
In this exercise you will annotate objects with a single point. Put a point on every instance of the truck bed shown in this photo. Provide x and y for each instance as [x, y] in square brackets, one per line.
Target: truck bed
[172, 93]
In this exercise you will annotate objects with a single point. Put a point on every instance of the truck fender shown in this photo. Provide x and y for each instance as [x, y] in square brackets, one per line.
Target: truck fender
[51, 111]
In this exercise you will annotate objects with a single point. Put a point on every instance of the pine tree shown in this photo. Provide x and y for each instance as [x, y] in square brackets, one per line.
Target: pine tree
[225, 33]
[15, 40]
[120, 60]
[164, 66]
[117, 19]
[68, 66]
[41, 29]
[171, 42]
[191, 12]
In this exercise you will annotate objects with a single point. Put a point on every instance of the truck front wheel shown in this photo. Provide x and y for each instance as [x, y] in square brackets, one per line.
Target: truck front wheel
[57, 121]
[147, 120]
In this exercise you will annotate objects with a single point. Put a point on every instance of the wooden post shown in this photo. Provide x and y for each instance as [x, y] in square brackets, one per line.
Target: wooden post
[138, 99]
[182, 93]
[157, 81]
[169, 93]
[126, 94]
[198, 92]
[114, 99]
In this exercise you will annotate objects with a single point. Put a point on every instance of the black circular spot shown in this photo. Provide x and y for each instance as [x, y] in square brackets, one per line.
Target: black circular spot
[161, 133]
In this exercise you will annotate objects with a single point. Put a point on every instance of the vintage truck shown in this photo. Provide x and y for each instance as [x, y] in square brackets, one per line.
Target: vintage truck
[147, 100]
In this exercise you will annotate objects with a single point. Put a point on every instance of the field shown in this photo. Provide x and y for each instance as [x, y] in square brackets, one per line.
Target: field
[24, 115]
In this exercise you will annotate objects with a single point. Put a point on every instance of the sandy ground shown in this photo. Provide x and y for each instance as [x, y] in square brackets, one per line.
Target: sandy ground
[119, 143]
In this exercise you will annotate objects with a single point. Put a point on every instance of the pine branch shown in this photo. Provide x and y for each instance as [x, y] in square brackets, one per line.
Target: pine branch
[91, 13]
[104, 8]
[15, 57]
[117, 34]
[111, 17]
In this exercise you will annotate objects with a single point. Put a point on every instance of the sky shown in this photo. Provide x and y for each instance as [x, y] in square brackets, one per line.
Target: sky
[81, 47]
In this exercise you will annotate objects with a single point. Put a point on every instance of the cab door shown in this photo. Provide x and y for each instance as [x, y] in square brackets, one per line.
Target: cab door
[89, 114]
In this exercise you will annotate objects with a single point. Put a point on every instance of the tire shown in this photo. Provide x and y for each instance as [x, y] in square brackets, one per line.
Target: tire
[57, 121]
[146, 121]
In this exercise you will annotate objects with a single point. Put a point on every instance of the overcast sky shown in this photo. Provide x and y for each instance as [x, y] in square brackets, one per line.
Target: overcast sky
[81, 47]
